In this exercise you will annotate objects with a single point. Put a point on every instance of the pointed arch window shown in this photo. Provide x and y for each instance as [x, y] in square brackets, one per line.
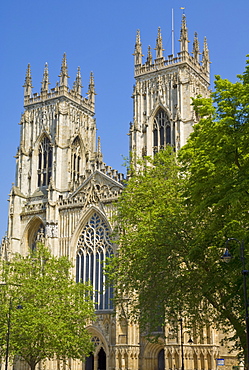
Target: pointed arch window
[45, 159]
[75, 160]
[162, 131]
[93, 250]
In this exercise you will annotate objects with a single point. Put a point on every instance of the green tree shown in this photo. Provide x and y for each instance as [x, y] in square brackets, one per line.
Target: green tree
[150, 217]
[43, 311]
[215, 162]
[175, 220]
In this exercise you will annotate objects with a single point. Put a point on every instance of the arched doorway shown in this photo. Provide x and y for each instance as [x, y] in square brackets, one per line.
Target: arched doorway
[101, 359]
[89, 364]
[161, 364]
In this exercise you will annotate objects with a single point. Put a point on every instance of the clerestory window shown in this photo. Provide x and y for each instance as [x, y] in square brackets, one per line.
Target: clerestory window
[44, 162]
[93, 250]
[162, 134]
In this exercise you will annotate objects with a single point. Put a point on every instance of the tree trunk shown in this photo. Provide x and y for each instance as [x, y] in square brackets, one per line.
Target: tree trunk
[32, 365]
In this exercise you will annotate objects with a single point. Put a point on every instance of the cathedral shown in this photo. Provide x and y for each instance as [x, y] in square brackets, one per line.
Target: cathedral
[64, 194]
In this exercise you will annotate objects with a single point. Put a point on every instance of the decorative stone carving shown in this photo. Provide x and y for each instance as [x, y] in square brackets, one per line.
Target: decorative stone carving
[52, 229]
[63, 107]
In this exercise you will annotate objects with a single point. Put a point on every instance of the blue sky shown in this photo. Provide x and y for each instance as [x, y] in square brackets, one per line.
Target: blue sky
[99, 36]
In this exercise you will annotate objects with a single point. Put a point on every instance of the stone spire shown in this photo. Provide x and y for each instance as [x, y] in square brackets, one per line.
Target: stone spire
[28, 83]
[91, 91]
[196, 48]
[184, 35]
[77, 85]
[205, 56]
[138, 50]
[149, 56]
[45, 80]
[64, 75]
[159, 45]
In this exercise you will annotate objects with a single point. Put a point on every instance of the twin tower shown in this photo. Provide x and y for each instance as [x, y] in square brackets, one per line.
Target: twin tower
[64, 194]
[163, 94]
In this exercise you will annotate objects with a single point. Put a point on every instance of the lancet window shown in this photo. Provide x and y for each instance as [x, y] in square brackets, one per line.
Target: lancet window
[76, 160]
[44, 162]
[162, 134]
[93, 250]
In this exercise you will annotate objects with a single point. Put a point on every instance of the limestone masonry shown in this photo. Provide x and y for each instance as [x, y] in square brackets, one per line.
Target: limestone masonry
[64, 194]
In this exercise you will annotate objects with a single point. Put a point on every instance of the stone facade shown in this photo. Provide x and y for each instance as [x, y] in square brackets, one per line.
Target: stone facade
[163, 91]
[65, 195]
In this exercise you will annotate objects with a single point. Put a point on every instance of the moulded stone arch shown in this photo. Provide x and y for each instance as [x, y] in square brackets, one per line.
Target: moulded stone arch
[169, 357]
[82, 222]
[39, 140]
[176, 357]
[151, 352]
[120, 359]
[202, 359]
[95, 332]
[43, 157]
[156, 109]
[81, 141]
[102, 344]
[76, 159]
[90, 251]
[30, 231]
[73, 140]
[162, 128]
[209, 360]
[153, 348]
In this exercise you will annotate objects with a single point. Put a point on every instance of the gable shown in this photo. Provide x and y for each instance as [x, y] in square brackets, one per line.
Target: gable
[96, 190]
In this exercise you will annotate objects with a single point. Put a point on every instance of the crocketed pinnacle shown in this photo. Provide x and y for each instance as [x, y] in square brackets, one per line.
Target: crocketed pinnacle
[45, 80]
[77, 83]
[138, 50]
[205, 55]
[149, 56]
[64, 74]
[196, 48]
[28, 82]
[91, 89]
[184, 35]
[159, 45]
[99, 146]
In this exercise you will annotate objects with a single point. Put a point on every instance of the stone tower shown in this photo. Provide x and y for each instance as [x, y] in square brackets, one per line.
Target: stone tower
[58, 157]
[163, 94]
[64, 194]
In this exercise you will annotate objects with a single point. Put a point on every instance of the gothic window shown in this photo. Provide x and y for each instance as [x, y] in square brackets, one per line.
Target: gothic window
[162, 134]
[75, 160]
[93, 250]
[44, 162]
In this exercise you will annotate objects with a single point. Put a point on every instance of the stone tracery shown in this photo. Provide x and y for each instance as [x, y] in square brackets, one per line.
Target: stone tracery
[93, 250]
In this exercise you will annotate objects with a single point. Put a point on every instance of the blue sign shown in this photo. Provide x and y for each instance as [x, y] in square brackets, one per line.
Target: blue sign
[220, 361]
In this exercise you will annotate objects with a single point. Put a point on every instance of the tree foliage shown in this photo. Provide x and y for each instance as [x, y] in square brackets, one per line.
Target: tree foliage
[216, 164]
[176, 214]
[43, 309]
[150, 217]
